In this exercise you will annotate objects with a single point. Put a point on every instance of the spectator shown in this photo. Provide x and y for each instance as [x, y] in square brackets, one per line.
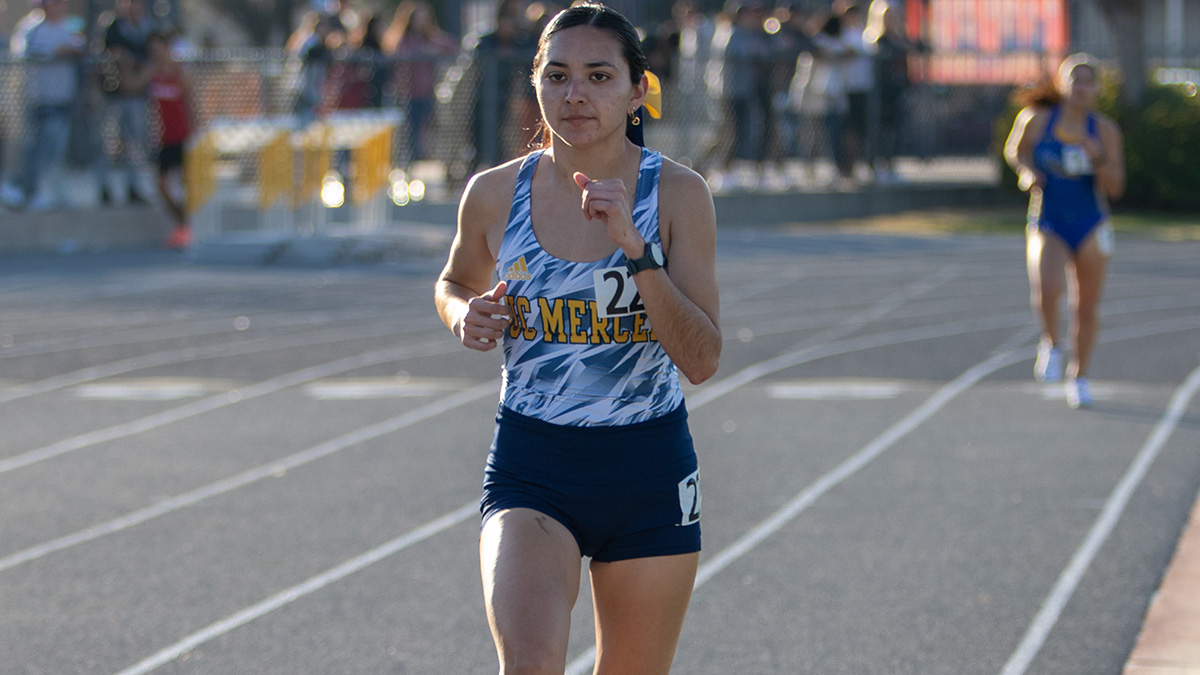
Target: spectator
[315, 59]
[746, 87]
[695, 44]
[538, 15]
[818, 95]
[886, 41]
[170, 94]
[126, 104]
[304, 30]
[51, 46]
[416, 42]
[662, 43]
[501, 61]
[356, 75]
[858, 75]
[790, 42]
[367, 42]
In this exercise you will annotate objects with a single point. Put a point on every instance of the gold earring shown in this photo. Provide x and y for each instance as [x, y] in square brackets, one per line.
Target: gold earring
[634, 119]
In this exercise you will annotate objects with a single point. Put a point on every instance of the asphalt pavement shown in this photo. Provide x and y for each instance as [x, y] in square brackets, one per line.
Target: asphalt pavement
[237, 469]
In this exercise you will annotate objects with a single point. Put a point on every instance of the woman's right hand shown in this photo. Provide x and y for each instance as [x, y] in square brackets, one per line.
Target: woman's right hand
[1029, 178]
[486, 320]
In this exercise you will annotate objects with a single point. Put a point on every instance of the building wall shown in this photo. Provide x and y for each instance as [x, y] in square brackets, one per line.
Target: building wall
[1090, 33]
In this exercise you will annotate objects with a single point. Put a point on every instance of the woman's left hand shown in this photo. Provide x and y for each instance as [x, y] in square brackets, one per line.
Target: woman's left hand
[608, 202]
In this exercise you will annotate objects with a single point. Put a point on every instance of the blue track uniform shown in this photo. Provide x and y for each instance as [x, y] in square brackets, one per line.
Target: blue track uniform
[592, 429]
[1069, 205]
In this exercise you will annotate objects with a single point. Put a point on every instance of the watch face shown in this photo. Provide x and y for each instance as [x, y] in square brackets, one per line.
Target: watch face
[656, 254]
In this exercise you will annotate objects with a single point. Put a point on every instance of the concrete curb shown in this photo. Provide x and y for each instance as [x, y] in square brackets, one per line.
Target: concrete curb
[1169, 643]
[82, 229]
[420, 229]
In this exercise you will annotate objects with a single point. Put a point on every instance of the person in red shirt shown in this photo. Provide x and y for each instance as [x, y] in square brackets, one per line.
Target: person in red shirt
[170, 97]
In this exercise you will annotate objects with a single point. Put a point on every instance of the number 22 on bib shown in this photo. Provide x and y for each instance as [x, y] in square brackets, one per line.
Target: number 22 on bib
[616, 293]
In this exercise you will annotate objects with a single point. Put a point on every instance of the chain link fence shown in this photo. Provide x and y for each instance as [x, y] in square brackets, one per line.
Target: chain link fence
[458, 115]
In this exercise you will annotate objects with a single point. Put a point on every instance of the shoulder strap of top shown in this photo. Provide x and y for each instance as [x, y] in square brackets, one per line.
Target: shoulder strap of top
[1092, 128]
[521, 192]
[645, 208]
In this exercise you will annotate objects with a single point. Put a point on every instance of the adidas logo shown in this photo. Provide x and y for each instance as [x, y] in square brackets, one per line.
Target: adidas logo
[519, 271]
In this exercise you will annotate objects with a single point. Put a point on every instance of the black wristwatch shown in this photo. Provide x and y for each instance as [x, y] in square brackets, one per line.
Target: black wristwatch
[651, 259]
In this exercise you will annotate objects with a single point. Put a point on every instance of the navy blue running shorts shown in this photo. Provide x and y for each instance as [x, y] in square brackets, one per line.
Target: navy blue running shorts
[624, 492]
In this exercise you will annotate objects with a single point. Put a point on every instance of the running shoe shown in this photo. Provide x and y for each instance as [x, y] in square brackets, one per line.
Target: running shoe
[1049, 364]
[1079, 393]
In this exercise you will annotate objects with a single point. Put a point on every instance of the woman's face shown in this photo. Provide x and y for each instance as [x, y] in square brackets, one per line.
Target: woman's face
[1080, 87]
[583, 86]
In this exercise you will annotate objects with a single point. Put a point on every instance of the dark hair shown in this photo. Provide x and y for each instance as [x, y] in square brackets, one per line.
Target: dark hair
[606, 19]
[1043, 93]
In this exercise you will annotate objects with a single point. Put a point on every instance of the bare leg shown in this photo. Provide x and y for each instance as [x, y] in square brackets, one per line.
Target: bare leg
[173, 206]
[530, 565]
[640, 605]
[1046, 259]
[1089, 266]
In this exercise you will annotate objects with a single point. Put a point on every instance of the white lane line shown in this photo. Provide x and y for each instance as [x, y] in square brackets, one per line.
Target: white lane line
[211, 403]
[858, 460]
[850, 466]
[275, 468]
[264, 344]
[1069, 580]
[836, 390]
[368, 389]
[298, 591]
[231, 324]
[582, 664]
[143, 390]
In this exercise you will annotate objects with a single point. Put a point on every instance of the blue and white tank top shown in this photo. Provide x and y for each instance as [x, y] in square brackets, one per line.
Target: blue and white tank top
[580, 350]
[1068, 199]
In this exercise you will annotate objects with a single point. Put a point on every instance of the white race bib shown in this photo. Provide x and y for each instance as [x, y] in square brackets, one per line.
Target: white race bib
[689, 499]
[616, 293]
[1076, 161]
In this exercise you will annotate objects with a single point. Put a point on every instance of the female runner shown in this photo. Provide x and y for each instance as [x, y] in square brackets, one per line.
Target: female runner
[605, 253]
[1070, 159]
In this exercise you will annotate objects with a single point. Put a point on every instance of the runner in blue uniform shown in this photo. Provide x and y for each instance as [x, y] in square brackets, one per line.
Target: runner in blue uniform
[592, 261]
[1070, 159]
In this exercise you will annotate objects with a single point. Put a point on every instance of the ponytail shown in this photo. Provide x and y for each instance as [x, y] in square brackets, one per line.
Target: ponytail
[1043, 93]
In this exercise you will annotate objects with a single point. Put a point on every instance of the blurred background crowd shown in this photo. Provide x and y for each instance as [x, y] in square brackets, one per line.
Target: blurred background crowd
[757, 95]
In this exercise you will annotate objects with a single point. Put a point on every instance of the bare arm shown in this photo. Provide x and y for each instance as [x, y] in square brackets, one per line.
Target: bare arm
[1018, 149]
[683, 304]
[1109, 159]
[465, 297]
